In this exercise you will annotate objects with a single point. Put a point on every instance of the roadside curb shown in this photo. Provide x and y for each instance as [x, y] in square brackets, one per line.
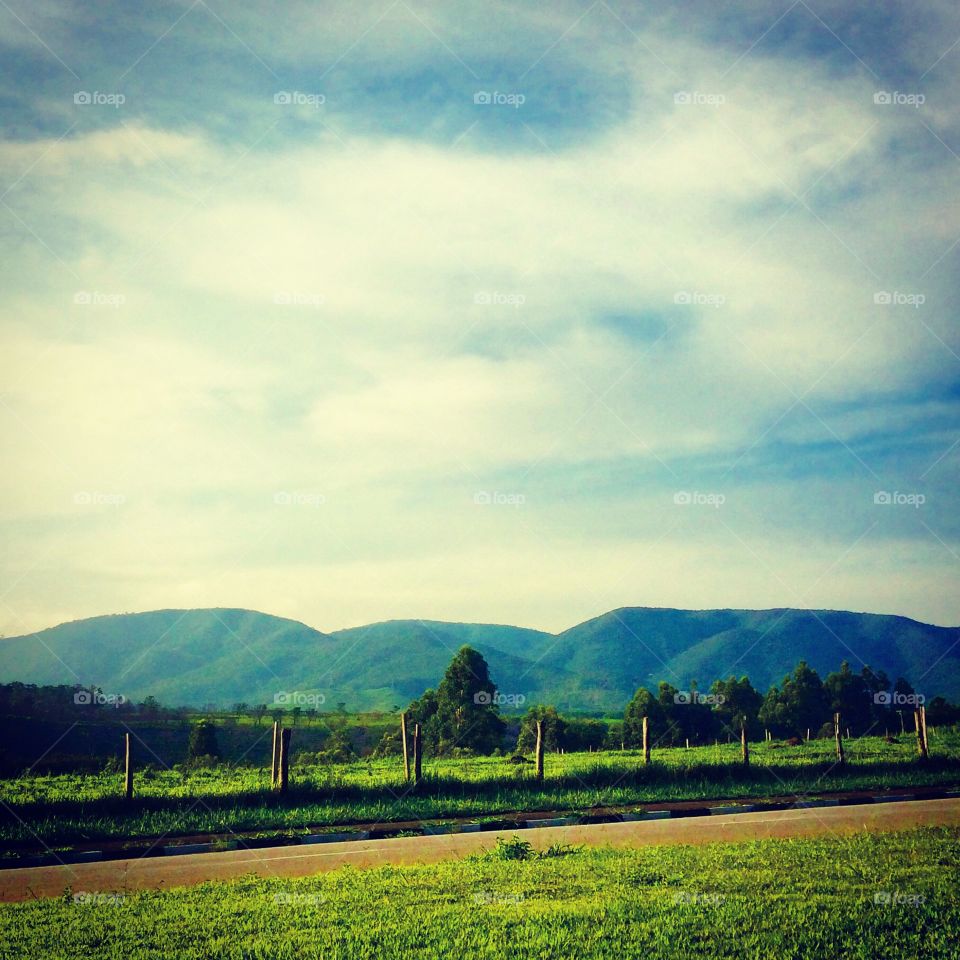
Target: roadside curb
[439, 829]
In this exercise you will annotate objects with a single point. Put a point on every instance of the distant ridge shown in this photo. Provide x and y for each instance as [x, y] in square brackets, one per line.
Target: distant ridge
[222, 655]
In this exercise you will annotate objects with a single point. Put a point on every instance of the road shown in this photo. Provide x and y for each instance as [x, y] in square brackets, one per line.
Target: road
[158, 873]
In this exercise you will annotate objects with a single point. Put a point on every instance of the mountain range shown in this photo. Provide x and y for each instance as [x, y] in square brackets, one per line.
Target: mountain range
[222, 656]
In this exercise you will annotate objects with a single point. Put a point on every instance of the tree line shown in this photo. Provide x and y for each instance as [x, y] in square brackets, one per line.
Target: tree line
[462, 715]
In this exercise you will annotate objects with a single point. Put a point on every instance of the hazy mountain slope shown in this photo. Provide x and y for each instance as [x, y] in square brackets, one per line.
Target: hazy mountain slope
[223, 655]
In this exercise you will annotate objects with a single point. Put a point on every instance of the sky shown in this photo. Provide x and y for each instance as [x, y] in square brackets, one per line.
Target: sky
[501, 312]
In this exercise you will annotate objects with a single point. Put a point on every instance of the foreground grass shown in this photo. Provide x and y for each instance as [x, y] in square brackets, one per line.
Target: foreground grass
[866, 896]
[59, 810]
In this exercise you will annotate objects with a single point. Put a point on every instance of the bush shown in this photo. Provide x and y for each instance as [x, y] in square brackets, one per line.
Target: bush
[203, 742]
[512, 849]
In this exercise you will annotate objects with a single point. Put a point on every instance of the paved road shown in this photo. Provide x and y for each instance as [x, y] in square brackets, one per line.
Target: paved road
[158, 873]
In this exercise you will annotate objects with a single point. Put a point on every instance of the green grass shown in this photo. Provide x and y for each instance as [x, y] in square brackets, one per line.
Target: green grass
[66, 809]
[864, 896]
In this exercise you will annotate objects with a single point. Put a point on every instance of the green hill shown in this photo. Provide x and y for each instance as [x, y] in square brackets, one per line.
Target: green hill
[220, 656]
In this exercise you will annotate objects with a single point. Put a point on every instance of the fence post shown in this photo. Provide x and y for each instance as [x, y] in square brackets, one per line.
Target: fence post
[417, 753]
[275, 759]
[744, 746]
[923, 724]
[539, 750]
[646, 740]
[128, 768]
[920, 724]
[838, 736]
[403, 736]
[284, 775]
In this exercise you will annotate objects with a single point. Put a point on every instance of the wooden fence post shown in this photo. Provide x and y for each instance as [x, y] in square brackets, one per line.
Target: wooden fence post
[923, 725]
[920, 724]
[744, 746]
[275, 759]
[128, 768]
[417, 753]
[403, 736]
[838, 736]
[539, 754]
[284, 773]
[646, 740]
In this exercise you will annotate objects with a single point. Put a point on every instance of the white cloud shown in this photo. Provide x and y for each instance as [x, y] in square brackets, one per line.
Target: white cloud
[391, 387]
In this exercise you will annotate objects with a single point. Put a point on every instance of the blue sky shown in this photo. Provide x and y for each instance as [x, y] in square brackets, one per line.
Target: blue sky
[290, 321]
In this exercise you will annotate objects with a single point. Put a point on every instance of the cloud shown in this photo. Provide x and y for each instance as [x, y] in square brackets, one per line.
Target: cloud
[681, 293]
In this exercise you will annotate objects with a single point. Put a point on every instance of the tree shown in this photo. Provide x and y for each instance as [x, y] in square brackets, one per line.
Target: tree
[467, 716]
[259, 712]
[643, 704]
[848, 696]
[798, 705]
[203, 742]
[903, 701]
[687, 715]
[423, 711]
[150, 708]
[940, 712]
[554, 730]
[588, 734]
[737, 701]
[295, 714]
[876, 686]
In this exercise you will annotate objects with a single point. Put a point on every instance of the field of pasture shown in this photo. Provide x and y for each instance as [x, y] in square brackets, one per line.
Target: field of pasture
[56, 811]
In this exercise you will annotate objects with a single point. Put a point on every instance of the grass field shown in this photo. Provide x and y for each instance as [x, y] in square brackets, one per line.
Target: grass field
[38, 811]
[866, 896]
